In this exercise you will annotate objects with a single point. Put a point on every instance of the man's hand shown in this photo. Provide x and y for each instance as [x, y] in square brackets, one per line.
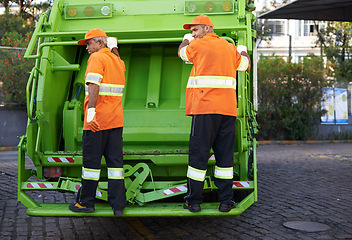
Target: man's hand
[241, 48]
[188, 36]
[92, 121]
[184, 43]
[112, 42]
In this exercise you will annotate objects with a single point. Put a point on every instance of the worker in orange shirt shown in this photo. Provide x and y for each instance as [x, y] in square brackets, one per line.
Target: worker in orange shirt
[103, 123]
[211, 101]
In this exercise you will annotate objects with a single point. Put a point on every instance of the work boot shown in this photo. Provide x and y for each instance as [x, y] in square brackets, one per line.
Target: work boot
[76, 207]
[192, 208]
[118, 212]
[226, 207]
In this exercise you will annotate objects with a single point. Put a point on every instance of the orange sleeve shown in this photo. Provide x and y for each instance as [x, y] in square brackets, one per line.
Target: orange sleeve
[191, 52]
[237, 57]
[95, 69]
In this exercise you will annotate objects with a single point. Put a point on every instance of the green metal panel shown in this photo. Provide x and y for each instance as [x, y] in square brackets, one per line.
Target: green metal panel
[156, 131]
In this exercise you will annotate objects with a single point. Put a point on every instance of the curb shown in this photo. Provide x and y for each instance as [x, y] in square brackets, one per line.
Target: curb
[293, 142]
[8, 148]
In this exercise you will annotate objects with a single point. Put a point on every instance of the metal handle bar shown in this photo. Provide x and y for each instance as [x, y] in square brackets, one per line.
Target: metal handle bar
[30, 97]
[123, 41]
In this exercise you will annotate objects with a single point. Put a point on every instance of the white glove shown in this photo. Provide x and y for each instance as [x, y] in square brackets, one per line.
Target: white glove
[112, 42]
[90, 114]
[188, 36]
[241, 48]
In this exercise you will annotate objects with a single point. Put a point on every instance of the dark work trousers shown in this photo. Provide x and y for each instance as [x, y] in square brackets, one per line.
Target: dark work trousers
[217, 132]
[107, 143]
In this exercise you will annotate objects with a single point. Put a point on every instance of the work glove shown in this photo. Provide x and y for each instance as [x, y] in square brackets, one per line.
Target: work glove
[92, 121]
[188, 36]
[112, 42]
[241, 48]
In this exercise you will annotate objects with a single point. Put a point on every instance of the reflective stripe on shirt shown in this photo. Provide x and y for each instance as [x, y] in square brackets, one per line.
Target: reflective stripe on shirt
[94, 78]
[90, 174]
[223, 173]
[109, 89]
[196, 174]
[211, 82]
[115, 173]
[183, 55]
[243, 64]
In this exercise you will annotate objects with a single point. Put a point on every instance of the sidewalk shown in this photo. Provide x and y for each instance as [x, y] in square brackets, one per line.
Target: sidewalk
[265, 142]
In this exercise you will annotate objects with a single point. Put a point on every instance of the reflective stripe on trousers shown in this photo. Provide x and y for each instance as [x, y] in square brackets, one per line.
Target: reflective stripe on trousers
[115, 173]
[90, 174]
[223, 173]
[196, 174]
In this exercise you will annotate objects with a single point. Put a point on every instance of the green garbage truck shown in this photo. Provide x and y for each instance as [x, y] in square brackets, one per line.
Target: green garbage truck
[156, 131]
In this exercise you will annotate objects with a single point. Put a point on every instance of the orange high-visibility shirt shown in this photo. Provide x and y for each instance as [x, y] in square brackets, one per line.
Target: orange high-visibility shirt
[108, 71]
[211, 87]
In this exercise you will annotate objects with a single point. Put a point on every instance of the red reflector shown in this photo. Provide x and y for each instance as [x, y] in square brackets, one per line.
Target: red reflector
[52, 172]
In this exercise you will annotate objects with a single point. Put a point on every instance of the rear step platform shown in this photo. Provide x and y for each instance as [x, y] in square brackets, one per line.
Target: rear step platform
[151, 210]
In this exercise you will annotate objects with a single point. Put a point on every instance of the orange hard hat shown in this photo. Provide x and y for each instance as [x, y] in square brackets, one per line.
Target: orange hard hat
[201, 19]
[96, 32]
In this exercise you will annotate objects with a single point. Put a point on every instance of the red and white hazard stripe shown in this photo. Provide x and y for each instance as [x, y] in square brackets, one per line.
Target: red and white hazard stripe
[40, 185]
[61, 159]
[240, 184]
[178, 189]
[97, 193]
[183, 188]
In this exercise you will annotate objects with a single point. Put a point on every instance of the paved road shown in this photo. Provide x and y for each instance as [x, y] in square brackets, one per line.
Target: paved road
[310, 182]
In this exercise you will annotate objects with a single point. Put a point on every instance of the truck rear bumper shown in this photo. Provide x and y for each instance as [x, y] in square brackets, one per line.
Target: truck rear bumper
[150, 210]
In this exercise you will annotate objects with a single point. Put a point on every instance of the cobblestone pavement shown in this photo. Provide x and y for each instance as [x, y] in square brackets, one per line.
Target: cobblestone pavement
[309, 182]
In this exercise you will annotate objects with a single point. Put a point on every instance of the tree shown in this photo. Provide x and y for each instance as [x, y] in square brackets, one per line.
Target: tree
[15, 33]
[336, 40]
[14, 70]
[289, 95]
[26, 7]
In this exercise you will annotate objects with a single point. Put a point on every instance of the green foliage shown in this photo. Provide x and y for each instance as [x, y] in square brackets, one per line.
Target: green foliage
[347, 135]
[14, 70]
[289, 95]
[26, 8]
[336, 40]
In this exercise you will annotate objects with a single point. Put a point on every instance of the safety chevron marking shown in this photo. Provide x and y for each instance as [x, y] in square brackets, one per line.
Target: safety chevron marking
[178, 189]
[61, 159]
[97, 193]
[40, 185]
[240, 184]
[183, 188]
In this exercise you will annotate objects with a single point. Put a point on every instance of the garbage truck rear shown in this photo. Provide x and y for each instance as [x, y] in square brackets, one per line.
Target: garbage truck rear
[156, 131]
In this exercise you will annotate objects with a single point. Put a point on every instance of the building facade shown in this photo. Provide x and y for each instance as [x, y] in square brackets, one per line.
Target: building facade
[295, 38]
